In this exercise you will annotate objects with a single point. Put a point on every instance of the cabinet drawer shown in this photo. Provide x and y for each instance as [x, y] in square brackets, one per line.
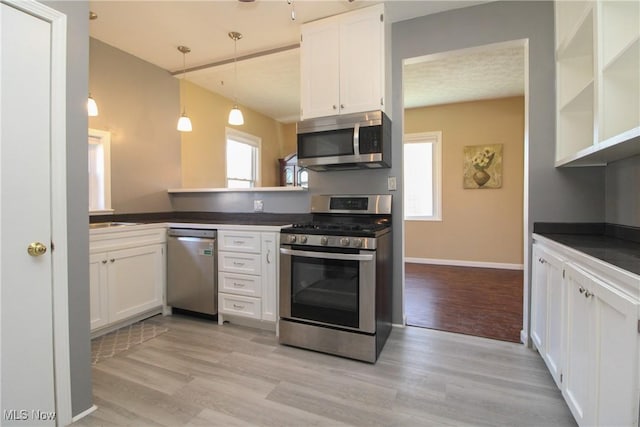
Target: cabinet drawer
[238, 241]
[239, 305]
[235, 262]
[240, 284]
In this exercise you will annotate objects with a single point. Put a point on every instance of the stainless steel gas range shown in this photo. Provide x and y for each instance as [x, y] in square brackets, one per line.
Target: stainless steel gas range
[335, 277]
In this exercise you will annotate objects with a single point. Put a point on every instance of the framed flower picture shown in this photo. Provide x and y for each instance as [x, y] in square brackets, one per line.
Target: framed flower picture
[482, 166]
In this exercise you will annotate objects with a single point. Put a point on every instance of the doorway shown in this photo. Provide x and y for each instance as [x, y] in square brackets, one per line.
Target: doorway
[464, 255]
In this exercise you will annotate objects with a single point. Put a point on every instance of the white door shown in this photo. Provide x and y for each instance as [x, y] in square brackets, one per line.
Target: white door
[538, 300]
[26, 300]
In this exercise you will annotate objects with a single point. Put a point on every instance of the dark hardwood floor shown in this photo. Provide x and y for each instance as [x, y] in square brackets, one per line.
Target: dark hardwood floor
[484, 302]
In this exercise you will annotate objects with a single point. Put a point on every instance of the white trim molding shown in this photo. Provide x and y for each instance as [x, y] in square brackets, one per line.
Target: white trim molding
[463, 263]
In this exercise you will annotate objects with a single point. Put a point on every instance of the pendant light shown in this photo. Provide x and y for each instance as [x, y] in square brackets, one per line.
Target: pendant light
[92, 107]
[184, 122]
[235, 115]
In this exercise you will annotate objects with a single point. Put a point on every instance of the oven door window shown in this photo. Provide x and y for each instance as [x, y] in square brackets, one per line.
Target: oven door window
[325, 290]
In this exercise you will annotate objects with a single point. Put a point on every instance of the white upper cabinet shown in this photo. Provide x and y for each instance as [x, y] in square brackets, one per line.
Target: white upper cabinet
[597, 81]
[343, 63]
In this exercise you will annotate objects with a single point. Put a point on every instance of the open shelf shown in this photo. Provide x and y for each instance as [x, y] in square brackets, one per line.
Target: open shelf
[620, 93]
[598, 81]
[570, 15]
[619, 28]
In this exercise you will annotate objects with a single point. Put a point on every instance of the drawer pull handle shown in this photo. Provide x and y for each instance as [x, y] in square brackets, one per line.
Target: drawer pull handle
[112, 260]
[581, 290]
[238, 285]
[269, 256]
[104, 261]
[238, 242]
[238, 306]
[238, 263]
[588, 294]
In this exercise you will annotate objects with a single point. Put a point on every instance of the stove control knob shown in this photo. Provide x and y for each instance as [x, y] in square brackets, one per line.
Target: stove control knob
[357, 243]
[344, 241]
[324, 240]
[303, 239]
[292, 238]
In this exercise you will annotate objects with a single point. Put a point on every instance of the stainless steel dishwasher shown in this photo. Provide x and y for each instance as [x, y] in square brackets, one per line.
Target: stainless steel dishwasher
[192, 274]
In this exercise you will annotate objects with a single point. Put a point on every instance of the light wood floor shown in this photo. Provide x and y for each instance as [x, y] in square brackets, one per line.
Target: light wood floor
[202, 374]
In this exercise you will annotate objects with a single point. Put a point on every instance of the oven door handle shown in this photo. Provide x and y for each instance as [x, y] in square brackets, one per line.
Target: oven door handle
[328, 255]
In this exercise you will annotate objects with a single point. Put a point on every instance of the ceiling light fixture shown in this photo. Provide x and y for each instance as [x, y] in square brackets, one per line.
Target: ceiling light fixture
[235, 115]
[184, 122]
[92, 107]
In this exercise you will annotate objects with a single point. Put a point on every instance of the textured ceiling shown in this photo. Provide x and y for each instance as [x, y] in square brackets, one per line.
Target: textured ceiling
[469, 75]
[152, 30]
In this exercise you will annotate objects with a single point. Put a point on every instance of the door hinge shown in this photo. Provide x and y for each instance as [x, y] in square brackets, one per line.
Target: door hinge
[381, 17]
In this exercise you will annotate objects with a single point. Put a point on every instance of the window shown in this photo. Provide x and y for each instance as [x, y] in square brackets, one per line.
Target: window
[422, 176]
[243, 158]
[99, 171]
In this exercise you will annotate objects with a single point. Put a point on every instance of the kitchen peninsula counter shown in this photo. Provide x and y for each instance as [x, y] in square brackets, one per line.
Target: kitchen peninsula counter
[205, 218]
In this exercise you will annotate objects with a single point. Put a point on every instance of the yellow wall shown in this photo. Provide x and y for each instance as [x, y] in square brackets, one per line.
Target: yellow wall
[203, 149]
[290, 142]
[482, 225]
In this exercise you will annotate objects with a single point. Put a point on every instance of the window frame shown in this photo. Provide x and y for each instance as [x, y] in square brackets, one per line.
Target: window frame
[435, 138]
[103, 138]
[245, 138]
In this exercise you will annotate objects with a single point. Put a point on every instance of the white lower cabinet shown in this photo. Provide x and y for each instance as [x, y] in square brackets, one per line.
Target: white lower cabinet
[247, 274]
[585, 324]
[601, 369]
[547, 296]
[134, 281]
[126, 280]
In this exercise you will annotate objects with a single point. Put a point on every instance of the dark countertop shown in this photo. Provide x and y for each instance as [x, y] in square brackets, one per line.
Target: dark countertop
[269, 219]
[600, 243]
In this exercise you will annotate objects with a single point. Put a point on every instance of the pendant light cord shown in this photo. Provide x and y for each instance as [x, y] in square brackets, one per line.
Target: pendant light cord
[184, 73]
[235, 70]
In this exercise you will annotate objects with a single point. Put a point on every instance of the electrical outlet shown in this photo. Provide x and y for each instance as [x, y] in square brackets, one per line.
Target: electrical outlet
[258, 206]
[391, 183]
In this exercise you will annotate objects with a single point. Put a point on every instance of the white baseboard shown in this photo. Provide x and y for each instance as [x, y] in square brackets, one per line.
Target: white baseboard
[462, 263]
[84, 413]
[524, 339]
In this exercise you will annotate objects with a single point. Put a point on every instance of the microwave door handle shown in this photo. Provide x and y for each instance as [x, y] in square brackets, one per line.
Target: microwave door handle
[356, 139]
[326, 255]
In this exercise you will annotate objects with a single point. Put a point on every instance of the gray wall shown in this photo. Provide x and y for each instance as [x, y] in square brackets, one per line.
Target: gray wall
[623, 192]
[139, 104]
[77, 200]
[572, 194]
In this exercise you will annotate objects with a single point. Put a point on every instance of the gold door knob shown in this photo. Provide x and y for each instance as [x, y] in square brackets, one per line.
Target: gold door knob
[36, 249]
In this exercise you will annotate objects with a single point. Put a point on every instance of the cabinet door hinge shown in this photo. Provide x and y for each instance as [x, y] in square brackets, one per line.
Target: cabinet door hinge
[561, 378]
[381, 17]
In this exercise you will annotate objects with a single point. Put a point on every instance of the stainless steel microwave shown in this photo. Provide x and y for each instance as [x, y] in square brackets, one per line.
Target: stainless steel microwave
[350, 141]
